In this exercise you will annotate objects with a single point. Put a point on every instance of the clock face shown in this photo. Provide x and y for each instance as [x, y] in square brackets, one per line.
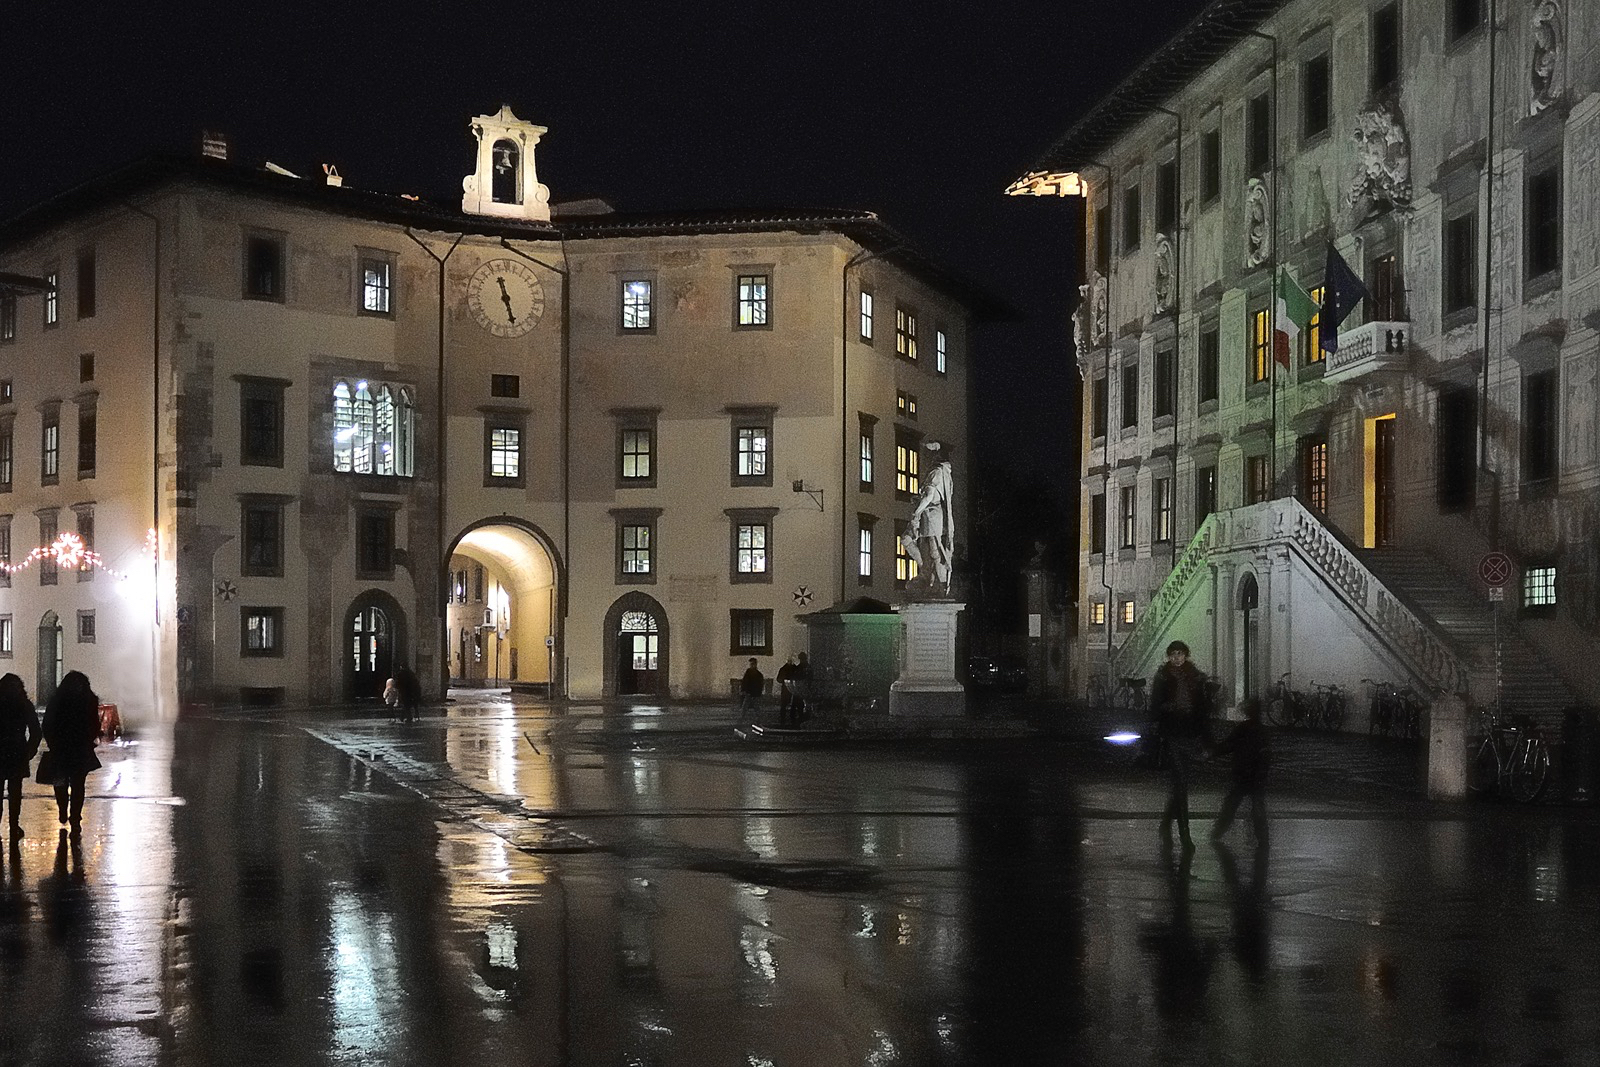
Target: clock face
[506, 297]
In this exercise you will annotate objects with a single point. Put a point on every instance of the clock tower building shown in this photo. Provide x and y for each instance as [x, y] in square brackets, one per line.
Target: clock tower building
[505, 184]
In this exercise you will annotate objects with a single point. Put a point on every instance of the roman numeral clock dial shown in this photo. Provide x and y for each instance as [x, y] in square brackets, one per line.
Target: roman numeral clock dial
[506, 297]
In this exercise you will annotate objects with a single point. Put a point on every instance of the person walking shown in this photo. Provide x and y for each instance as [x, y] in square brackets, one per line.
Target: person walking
[785, 690]
[409, 687]
[1180, 703]
[750, 689]
[19, 743]
[1247, 744]
[800, 708]
[71, 728]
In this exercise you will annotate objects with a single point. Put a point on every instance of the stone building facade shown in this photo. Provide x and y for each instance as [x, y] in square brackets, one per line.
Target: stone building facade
[310, 432]
[1326, 518]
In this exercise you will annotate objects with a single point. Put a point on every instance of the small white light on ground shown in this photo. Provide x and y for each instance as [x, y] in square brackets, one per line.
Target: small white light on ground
[1124, 738]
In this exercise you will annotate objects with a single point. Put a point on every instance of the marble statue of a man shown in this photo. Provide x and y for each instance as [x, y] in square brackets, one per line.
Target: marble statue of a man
[930, 537]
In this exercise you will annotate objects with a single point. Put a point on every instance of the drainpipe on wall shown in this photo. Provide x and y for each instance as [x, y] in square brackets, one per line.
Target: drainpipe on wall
[443, 563]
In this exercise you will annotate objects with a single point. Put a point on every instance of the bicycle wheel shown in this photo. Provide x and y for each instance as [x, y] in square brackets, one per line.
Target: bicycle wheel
[1483, 773]
[1530, 769]
[1278, 711]
[1338, 706]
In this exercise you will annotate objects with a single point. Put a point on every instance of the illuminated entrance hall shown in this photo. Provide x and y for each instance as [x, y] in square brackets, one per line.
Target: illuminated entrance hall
[502, 617]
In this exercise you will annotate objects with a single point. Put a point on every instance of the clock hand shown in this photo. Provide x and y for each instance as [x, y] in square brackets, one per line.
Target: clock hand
[505, 298]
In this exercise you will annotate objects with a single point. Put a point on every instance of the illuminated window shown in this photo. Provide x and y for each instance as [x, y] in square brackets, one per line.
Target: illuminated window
[376, 285]
[7, 454]
[866, 316]
[905, 333]
[1161, 510]
[5, 551]
[6, 647]
[372, 431]
[868, 426]
[8, 318]
[941, 352]
[1313, 330]
[750, 632]
[1125, 615]
[907, 480]
[905, 568]
[505, 453]
[905, 403]
[50, 447]
[864, 548]
[752, 449]
[52, 300]
[263, 267]
[1314, 473]
[637, 304]
[637, 545]
[1097, 613]
[1539, 587]
[1129, 511]
[1257, 479]
[750, 548]
[1260, 345]
[637, 448]
[260, 631]
[753, 302]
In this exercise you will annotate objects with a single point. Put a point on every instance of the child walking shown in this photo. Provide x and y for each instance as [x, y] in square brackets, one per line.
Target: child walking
[1248, 746]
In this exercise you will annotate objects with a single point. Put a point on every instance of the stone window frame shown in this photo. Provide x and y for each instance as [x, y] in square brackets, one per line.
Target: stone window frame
[907, 463]
[50, 313]
[941, 350]
[274, 616]
[1546, 166]
[501, 420]
[1205, 492]
[257, 390]
[1456, 25]
[8, 636]
[737, 616]
[1541, 576]
[625, 305]
[1322, 51]
[375, 257]
[1376, 82]
[1311, 457]
[1257, 490]
[1208, 366]
[1540, 433]
[86, 619]
[84, 527]
[1164, 387]
[1258, 345]
[50, 444]
[1127, 516]
[1458, 308]
[1099, 524]
[367, 511]
[86, 279]
[1128, 394]
[1258, 131]
[8, 452]
[743, 419]
[1211, 164]
[1131, 213]
[867, 452]
[270, 506]
[635, 421]
[49, 529]
[754, 518]
[85, 367]
[650, 520]
[765, 272]
[1099, 408]
[88, 404]
[868, 305]
[905, 333]
[1163, 509]
[866, 533]
[905, 404]
[505, 386]
[1168, 206]
[254, 239]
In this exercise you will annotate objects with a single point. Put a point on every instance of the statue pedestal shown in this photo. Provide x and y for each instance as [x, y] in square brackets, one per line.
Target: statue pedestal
[927, 686]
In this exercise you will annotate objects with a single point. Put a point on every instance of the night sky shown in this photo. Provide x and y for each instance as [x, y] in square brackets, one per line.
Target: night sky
[921, 112]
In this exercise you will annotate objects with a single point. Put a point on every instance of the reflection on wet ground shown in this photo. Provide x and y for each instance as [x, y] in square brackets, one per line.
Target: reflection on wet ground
[508, 883]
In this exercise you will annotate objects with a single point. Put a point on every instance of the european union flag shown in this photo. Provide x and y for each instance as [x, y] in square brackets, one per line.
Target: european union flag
[1341, 292]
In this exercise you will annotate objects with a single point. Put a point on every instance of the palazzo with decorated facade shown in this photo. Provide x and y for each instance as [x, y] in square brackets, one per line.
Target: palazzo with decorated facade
[1325, 516]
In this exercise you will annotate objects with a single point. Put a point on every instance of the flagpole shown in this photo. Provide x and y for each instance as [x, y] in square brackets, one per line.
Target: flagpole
[1272, 262]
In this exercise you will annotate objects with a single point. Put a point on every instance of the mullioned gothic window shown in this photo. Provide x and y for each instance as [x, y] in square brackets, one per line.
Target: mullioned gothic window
[373, 429]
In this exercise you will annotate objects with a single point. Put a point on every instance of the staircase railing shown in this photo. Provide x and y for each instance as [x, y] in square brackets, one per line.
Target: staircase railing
[1286, 522]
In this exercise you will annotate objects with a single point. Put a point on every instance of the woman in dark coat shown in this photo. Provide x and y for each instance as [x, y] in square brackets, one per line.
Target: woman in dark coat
[19, 741]
[1180, 702]
[71, 728]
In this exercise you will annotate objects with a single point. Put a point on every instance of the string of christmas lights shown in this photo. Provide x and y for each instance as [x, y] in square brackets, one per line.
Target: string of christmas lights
[70, 553]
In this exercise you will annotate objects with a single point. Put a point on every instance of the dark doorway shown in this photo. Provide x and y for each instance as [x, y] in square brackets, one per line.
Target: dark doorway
[1383, 483]
[50, 658]
[374, 637]
[636, 636]
[1457, 465]
[1249, 602]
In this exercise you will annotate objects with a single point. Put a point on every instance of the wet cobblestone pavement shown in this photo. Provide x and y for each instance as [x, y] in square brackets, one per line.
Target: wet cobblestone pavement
[601, 885]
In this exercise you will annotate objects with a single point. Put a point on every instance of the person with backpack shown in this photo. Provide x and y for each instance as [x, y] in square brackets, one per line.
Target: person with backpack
[1180, 703]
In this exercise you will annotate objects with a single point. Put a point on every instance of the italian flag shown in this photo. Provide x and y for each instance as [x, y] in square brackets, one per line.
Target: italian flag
[1295, 312]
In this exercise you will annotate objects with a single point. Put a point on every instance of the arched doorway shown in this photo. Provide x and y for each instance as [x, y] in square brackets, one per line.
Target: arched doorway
[375, 644]
[1249, 603]
[636, 647]
[503, 608]
[51, 658]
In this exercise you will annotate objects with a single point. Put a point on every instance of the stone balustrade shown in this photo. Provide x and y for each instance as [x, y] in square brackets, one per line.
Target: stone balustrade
[1372, 346]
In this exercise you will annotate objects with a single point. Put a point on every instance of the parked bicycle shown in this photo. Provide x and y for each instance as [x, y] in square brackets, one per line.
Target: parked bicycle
[1513, 759]
[1394, 711]
[1131, 695]
[1329, 706]
[1286, 707]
